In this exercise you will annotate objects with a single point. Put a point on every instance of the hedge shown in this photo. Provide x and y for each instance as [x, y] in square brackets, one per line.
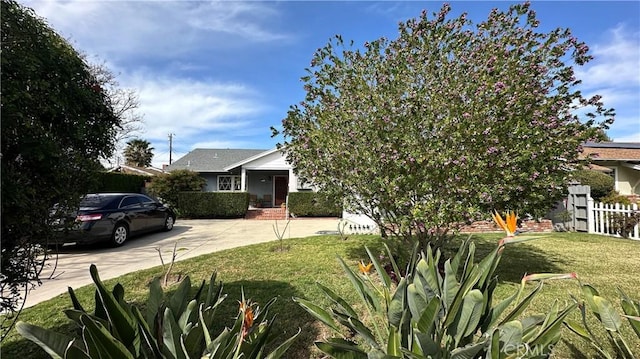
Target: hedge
[213, 204]
[313, 204]
[601, 184]
[120, 182]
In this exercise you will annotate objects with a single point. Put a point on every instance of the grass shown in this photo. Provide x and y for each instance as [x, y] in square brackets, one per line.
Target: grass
[265, 272]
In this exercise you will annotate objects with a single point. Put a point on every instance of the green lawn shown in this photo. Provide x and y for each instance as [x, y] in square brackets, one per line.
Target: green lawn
[264, 272]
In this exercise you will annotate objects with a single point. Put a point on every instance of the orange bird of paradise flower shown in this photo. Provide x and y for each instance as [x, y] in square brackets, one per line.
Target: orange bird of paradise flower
[509, 224]
[246, 308]
[365, 269]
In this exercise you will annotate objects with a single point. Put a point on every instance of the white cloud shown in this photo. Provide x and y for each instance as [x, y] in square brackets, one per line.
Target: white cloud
[633, 137]
[118, 29]
[616, 61]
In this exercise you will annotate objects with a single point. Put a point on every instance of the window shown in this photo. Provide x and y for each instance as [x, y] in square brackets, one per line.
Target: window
[130, 202]
[229, 183]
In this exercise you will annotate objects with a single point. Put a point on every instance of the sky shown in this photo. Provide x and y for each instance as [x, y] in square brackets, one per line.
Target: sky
[220, 74]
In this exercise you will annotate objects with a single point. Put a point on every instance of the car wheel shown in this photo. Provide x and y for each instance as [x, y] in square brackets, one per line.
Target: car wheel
[120, 234]
[168, 222]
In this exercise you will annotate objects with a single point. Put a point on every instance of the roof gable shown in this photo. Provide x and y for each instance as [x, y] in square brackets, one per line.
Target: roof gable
[211, 160]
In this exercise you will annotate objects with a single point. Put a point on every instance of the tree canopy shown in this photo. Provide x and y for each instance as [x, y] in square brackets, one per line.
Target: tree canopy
[138, 153]
[446, 122]
[56, 123]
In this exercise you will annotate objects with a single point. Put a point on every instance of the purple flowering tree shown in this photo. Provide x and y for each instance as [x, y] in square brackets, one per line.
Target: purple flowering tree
[446, 122]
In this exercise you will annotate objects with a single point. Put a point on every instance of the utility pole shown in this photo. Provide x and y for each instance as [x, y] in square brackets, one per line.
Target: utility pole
[170, 145]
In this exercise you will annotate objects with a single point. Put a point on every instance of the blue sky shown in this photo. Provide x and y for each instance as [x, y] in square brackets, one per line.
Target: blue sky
[220, 74]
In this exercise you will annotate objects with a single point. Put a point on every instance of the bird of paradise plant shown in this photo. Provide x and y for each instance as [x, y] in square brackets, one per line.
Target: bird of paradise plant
[439, 313]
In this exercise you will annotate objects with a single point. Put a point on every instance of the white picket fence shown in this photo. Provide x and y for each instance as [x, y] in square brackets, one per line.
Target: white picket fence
[600, 218]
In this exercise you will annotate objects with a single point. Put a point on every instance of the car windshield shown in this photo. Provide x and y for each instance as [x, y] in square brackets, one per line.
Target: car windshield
[96, 201]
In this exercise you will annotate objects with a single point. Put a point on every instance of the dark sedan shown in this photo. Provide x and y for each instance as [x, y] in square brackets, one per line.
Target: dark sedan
[114, 217]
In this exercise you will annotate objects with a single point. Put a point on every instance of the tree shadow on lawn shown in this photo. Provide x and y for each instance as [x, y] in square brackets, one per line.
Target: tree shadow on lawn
[517, 259]
[289, 318]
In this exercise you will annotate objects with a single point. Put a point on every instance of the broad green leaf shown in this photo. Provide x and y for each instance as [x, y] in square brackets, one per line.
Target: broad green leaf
[106, 344]
[397, 304]
[362, 289]
[496, 311]
[186, 316]
[589, 292]
[318, 312]
[468, 352]
[180, 298]
[550, 333]
[123, 325]
[171, 335]
[417, 303]
[147, 337]
[382, 273]
[341, 349]
[427, 346]
[394, 344]
[429, 316]
[608, 315]
[338, 300]
[468, 317]
[520, 307]
[577, 329]
[358, 327]
[55, 344]
[450, 285]
[511, 334]
[75, 301]
[154, 301]
[631, 310]
[282, 348]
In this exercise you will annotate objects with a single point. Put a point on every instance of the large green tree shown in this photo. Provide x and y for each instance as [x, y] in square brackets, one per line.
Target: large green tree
[446, 122]
[56, 124]
[138, 153]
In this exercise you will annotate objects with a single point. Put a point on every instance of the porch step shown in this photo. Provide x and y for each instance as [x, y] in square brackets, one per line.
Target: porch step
[267, 213]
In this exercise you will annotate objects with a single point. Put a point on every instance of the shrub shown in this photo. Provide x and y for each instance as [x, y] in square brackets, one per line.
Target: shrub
[601, 184]
[615, 197]
[167, 187]
[313, 204]
[173, 327]
[120, 182]
[213, 204]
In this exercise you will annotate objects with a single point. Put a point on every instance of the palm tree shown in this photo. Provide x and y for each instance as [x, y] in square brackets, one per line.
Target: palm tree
[138, 153]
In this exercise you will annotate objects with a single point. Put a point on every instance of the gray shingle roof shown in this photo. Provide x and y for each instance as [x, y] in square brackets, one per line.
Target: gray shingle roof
[211, 160]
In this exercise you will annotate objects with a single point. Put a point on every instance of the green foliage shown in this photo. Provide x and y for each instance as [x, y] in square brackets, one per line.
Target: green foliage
[449, 115]
[213, 204]
[119, 182]
[600, 307]
[601, 183]
[314, 204]
[176, 326]
[615, 197]
[167, 187]
[138, 153]
[56, 124]
[624, 223]
[438, 311]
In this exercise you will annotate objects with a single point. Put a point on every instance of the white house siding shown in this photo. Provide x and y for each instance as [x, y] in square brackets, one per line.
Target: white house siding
[275, 161]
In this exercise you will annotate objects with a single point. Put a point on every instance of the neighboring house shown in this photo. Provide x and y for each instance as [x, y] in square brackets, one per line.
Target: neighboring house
[144, 171]
[621, 160]
[264, 174]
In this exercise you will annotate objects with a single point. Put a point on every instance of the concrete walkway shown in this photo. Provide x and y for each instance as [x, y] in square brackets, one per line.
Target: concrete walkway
[196, 237]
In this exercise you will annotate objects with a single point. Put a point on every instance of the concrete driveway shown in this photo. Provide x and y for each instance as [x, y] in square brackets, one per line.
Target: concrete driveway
[197, 237]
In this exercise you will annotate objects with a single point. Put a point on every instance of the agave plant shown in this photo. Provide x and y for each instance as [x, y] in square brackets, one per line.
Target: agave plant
[434, 313]
[176, 327]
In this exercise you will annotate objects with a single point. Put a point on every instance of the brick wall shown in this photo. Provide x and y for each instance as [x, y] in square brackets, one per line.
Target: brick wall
[267, 213]
[544, 225]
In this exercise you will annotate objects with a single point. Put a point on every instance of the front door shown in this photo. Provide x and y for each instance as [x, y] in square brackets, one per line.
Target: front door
[281, 187]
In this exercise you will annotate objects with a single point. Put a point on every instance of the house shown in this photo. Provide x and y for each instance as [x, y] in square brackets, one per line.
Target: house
[621, 160]
[264, 174]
